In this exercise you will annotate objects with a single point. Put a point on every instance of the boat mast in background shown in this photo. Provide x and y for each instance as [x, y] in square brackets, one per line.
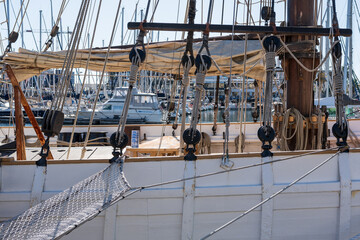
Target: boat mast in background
[348, 58]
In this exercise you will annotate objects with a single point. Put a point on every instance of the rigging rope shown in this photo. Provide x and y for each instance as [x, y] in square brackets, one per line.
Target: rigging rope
[82, 89]
[340, 128]
[55, 29]
[137, 56]
[225, 161]
[54, 117]
[187, 62]
[102, 75]
[191, 135]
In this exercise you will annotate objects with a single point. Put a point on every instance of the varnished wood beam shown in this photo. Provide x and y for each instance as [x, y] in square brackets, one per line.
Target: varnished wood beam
[19, 130]
[27, 107]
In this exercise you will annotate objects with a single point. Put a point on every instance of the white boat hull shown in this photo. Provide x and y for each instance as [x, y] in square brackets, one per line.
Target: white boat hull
[324, 205]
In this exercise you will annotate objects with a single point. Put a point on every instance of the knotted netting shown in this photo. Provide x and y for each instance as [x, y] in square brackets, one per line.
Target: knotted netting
[65, 211]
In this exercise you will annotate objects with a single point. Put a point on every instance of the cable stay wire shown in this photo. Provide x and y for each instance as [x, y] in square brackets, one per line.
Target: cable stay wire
[235, 169]
[271, 197]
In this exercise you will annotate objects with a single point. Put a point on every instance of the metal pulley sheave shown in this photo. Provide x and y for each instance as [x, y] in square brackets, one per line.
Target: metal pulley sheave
[266, 134]
[191, 137]
[137, 54]
[119, 143]
[52, 122]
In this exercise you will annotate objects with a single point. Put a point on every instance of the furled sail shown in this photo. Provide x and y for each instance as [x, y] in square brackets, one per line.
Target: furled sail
[161, 57]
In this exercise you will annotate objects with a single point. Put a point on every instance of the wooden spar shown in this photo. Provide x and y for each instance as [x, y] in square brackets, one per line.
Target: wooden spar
[19, 121]
[27, 108]
[291, 30]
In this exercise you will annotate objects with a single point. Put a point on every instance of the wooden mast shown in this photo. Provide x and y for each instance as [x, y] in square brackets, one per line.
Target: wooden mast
[299, 92]
[299, 81]
[19, 130]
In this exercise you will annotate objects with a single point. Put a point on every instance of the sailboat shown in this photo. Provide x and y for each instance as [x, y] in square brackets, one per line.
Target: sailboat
[308, 190]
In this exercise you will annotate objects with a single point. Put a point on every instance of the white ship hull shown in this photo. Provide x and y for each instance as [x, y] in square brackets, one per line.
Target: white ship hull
[324, 205]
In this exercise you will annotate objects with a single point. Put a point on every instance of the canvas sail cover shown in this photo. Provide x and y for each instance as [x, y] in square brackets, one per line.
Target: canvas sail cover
[163, 57]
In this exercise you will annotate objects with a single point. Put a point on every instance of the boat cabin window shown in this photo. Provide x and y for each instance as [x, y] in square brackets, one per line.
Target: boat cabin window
[121, 92]
[107, 107]
[149, 101]
[117, 108]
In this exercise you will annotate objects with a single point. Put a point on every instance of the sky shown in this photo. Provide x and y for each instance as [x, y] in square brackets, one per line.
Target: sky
[170, 11]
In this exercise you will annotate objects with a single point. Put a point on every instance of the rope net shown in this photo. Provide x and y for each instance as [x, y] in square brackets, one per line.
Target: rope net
[65, 211]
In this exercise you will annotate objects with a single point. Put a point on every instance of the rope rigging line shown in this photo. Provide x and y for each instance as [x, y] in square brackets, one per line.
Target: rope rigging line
[83, 86]
[187, 61]
[102, 73]
[271, 197]
[137, 56]
[340, 128]
[271, 45]
[225, 161]
[300, 63]
[55, 29]
[243, 98]
[54, 117]
[191, 135]
[65, 211]
[13, 35]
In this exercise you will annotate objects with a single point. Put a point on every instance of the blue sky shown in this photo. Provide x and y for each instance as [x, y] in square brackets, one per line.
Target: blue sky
[167, 11]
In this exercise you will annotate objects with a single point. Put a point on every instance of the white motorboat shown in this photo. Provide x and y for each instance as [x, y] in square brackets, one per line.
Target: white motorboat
[144, 108]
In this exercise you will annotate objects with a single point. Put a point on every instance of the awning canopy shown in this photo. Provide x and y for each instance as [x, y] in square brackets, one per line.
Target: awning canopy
[163, 57]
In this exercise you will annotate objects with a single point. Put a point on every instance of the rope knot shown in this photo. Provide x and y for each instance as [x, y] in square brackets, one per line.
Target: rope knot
[133, 73]
[270, 61]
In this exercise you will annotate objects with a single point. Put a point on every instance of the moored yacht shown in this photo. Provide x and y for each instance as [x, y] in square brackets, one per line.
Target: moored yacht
[144, 108]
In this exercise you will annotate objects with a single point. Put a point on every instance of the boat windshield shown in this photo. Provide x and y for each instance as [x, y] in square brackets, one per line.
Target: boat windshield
[107, 107]
[145, 101]
[121, 92]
